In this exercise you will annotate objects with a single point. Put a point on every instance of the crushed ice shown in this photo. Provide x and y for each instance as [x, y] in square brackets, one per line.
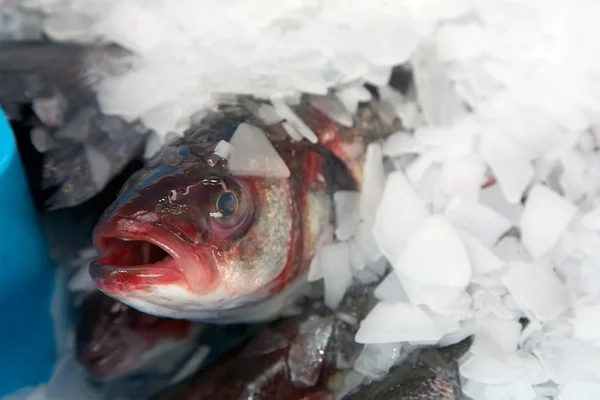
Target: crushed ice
[490, 219]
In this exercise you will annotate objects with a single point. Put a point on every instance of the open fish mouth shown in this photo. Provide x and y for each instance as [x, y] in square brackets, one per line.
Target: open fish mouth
[133, 259]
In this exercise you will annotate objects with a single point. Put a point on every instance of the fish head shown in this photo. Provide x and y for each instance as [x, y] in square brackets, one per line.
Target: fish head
[187, 239]
[114, 340]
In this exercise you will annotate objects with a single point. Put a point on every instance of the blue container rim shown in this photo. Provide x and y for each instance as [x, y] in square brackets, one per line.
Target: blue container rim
[7, 142]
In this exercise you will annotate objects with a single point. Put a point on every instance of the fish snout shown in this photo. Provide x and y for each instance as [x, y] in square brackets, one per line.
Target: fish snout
[140, 256]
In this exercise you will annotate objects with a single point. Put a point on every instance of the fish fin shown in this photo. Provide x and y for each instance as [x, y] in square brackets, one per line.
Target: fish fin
[55, 78]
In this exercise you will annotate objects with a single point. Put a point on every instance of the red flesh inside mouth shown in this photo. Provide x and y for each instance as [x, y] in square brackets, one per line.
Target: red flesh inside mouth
[133, 260]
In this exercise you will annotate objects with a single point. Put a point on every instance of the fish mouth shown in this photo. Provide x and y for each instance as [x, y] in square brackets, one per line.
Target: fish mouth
[136, 256]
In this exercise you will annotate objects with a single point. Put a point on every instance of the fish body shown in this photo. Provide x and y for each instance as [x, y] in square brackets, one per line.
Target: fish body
[83, 149]
[188, 238]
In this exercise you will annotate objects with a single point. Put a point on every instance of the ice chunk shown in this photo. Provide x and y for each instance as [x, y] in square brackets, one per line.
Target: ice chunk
[466, 329]
[493, 198]
[475, 390]
[500, 370]
[315, 270]
[536, 288]
[514, 391]
[483, 260]
[587, 322]
[253, 155]
[373, 182]
[461, 178]
[146, 29]
[376, 359]
[437, 297]
[100, 166]
[347, 213]
[391, 289]
[486, 303]
[481, 222]
[435, 90]
[512, 169]
[335, 262]
[351, 95]
[546, 216]
[510, 248]
[391, 322]
[496, 336]
[268, 114]
[307, 351]
[191, 365]
[333, 108]
[402, 143]
[81, 281]
[591, 219]
[41, 139]
[223, 149]
[365, 240]
[568, 360]
[435, 255]
[399, 215]
[580, 391]
[291, 118]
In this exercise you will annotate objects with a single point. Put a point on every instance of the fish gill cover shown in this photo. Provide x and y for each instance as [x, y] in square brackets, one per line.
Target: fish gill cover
[485, 205]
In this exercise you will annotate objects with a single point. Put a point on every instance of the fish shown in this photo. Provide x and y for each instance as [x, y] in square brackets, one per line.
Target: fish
[53, 88]
[114, 341]
[198, 236]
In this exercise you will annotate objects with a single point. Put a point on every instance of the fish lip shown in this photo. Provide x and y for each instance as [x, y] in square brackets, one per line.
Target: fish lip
[116, 279]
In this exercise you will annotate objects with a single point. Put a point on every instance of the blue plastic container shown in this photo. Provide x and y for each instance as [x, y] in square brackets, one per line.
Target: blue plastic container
[27, 346]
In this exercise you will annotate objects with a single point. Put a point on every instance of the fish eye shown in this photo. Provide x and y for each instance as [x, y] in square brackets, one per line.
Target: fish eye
[227, 204]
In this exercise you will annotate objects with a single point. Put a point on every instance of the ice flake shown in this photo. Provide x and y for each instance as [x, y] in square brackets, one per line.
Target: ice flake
[376, 359]
[100, 166]
[546, 216]
[306, 353]
[513, 391]
[253, 155]
[580, 391]
[351, 95]
[501, 370]
[536, 288]
[335, 263]
[461, 178]
[332, 108]
[223, 149]
[483, 260]
[439, 298]
[399, 215]
[373, 182]
[481, 222]
[391, 322]
[586, 323]
[391, 289]
[493, 198]
[512, 169]
[347, 215]
[496, 337]
[290, 116]
[402, 143]
[568, 360]
[591, 220]
[435, 255]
